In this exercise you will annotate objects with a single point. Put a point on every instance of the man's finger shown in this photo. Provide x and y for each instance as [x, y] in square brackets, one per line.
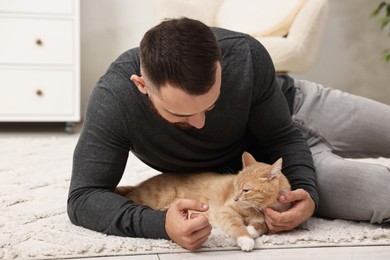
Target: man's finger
[292, 196]
[273, 216]
[187, 204]
[194, 215]
[203, 232]
[278, 217]
[201, 239]
[199, 222]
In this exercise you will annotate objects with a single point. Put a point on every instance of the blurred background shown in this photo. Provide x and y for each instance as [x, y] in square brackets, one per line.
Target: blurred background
[349, 55]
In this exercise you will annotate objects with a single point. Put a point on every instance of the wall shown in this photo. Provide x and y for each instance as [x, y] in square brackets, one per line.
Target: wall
[351, 50]
[108, 28]
[349, 56]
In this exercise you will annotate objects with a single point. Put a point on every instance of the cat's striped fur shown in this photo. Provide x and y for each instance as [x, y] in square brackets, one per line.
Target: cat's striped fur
[235, 201]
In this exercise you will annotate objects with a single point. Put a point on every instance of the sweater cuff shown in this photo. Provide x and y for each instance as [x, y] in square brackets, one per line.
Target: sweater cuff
[312, 192]
[314, 195]
[153, 222]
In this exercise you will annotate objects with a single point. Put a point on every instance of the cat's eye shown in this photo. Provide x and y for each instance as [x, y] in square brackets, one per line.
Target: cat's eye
[245, 190]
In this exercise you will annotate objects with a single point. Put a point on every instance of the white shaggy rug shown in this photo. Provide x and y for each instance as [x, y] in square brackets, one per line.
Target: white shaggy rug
[34, 181]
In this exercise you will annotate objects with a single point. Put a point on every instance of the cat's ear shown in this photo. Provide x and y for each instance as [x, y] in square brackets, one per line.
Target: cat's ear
[276, 168]
[248, 159]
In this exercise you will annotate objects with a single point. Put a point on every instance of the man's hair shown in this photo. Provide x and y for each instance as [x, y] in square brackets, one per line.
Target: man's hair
[182, 52]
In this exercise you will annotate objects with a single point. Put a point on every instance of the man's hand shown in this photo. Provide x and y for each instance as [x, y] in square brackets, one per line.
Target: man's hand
[189, 231]
[302, 209]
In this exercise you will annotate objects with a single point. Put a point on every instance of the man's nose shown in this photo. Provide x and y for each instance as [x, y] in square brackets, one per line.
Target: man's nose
[198, 120]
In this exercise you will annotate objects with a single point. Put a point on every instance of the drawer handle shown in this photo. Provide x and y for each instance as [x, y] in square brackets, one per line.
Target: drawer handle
[39, 93]
[39, 42]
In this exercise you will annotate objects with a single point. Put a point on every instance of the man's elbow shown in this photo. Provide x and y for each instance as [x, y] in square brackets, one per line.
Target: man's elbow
[71, 209]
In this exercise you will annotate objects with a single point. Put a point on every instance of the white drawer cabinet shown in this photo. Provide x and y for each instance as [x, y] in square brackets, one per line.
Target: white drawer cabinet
[31, 94]
[36, 41]
[40, 61]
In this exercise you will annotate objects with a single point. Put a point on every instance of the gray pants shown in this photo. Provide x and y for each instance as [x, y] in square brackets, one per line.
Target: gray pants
[338, 125]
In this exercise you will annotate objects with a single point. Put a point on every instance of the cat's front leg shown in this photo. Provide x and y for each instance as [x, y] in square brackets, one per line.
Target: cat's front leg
[252, 231]
[232, 223]
[246, 243]
[257, 226]
[257, 229]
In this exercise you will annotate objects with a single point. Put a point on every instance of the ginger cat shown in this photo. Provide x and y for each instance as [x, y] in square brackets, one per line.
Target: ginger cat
[235, 201]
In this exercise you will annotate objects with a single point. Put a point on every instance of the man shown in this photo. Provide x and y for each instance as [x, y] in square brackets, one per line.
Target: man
[191, 99]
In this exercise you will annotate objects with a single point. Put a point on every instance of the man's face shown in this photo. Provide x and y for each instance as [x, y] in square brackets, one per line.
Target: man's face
[184, 110]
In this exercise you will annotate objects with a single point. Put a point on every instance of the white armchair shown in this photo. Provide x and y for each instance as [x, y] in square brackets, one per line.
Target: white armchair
[290, 30]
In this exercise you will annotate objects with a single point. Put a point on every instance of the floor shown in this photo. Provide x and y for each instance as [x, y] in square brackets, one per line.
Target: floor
[35, 129]
[325, 253]
[334, 253]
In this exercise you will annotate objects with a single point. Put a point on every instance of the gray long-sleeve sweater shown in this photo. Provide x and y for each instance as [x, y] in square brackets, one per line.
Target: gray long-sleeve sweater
[120, 119]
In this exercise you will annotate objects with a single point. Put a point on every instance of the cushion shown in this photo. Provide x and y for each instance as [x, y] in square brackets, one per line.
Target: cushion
[259, 18]
[194, 9]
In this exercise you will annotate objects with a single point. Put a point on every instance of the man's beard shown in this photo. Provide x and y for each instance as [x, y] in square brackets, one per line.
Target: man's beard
[179, 125]
[183, 126]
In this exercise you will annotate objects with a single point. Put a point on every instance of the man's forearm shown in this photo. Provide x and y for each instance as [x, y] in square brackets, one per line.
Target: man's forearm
[109, 213]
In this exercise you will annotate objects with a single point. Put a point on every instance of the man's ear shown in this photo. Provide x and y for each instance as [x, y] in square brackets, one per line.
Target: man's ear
[140, 83]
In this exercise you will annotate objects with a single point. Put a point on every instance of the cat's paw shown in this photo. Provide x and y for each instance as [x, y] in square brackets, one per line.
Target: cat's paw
[252, 231]
[246, 243]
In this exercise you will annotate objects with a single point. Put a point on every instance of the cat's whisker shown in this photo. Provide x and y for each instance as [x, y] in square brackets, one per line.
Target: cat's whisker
[253, 205]
[247, 204]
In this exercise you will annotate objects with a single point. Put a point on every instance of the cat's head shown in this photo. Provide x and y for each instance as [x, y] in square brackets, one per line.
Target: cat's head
[257, 184]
